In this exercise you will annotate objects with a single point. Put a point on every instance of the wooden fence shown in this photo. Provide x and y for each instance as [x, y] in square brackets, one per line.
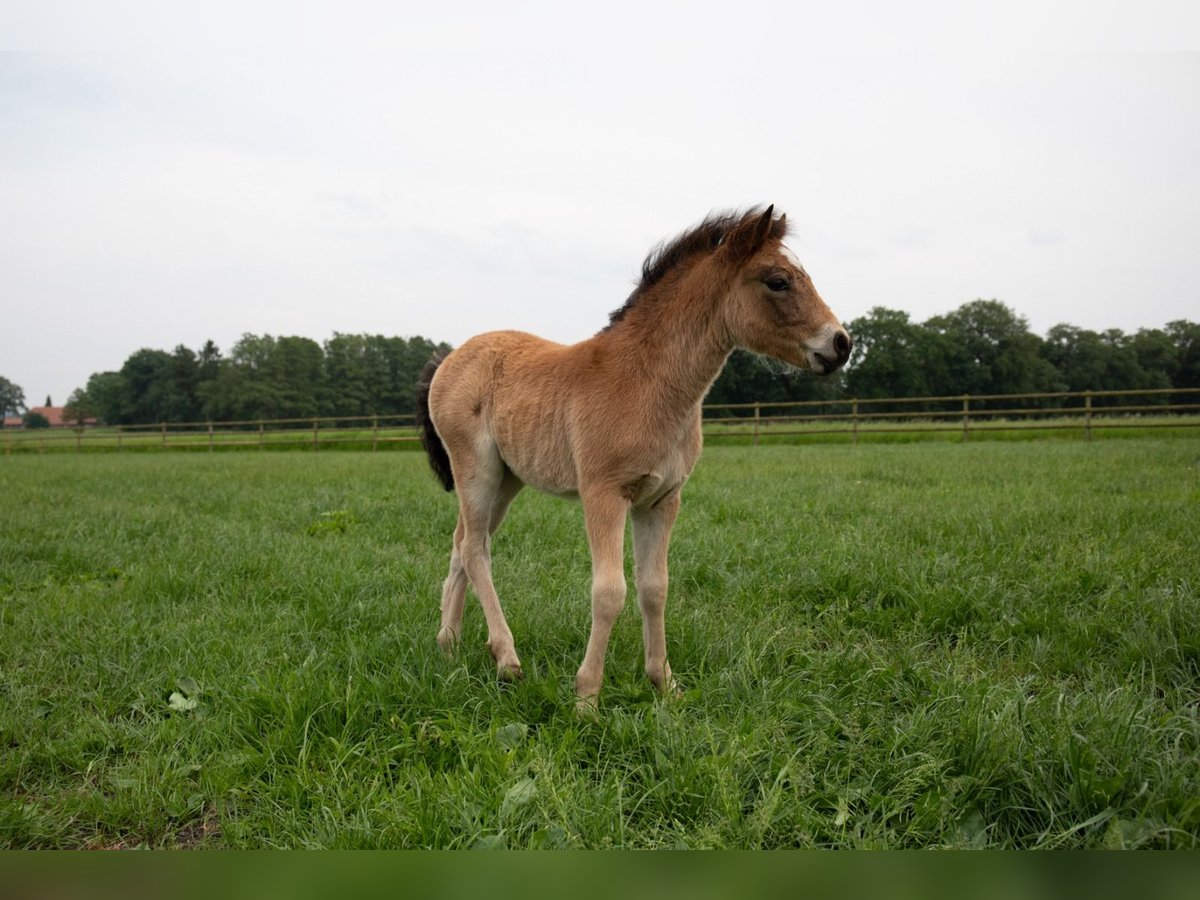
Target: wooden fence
[963, 414]
[852, 418]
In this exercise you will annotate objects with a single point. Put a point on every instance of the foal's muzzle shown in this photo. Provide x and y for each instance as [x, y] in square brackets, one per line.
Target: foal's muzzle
[834, 354]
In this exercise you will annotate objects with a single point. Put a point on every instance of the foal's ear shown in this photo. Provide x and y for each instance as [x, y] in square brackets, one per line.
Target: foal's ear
[751, 233]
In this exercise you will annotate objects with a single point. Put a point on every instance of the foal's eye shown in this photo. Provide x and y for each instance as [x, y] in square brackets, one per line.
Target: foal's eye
[777, 283]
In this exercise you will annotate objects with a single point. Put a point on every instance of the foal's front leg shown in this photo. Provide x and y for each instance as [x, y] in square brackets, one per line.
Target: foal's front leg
[651, 537]
[604, 513]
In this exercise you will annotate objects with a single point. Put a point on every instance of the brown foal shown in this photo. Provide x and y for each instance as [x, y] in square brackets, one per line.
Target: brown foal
[614, 420]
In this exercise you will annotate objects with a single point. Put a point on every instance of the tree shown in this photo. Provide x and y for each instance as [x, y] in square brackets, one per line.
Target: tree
[372, 374]
[892, 356]
[208, 362]
[348, 377]
[105, 392]
[1078, 355]
[79, 408]
[1103, 361]
[163, 387]
[35, 420]
[12, 398]
[295, 376]
[989, 349]
[185, 375]
[1157, 356]
[267, 378]
[239, 391]
[1187, 347]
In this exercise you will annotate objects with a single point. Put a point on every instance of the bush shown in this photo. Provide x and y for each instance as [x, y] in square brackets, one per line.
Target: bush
[36, 420]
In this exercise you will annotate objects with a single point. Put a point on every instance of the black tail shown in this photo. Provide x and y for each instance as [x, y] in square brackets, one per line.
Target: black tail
[439, 459]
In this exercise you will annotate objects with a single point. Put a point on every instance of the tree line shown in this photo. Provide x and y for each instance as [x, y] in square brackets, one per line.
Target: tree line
[983, 347]
[262, 377]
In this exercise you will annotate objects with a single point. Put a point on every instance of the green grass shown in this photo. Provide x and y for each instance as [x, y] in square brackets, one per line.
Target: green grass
[990, 644]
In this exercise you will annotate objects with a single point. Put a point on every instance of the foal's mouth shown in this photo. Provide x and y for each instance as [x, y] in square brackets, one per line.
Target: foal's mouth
[833, 355]
[827, 365]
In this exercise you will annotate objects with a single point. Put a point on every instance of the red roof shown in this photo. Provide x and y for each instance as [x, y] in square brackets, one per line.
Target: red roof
[53, 414]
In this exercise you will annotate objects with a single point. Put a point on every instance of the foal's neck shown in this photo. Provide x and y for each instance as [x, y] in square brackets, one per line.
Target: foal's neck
[675, 343]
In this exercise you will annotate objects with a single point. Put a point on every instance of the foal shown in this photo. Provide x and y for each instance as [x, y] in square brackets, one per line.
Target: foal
[613, 420]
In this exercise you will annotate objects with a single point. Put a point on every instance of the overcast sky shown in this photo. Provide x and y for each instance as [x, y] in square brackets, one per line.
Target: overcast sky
[161, 183]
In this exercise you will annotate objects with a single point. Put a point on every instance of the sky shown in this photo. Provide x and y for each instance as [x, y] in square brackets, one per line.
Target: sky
[171, 175]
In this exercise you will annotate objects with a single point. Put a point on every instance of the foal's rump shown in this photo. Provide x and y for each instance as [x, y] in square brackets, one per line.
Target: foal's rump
[508, 393]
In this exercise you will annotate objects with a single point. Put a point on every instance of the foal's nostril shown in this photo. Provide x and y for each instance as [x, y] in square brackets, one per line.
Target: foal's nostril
[842, 346]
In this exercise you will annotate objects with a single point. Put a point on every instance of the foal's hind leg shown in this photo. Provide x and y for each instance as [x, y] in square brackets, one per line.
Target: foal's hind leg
[485, 489]
[454, 591]
[454, 595]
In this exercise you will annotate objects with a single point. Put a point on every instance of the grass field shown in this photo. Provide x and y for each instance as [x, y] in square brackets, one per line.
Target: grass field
[989, 644]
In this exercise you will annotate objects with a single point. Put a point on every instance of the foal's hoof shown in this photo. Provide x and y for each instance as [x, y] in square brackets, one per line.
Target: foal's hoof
[664, 682]
[669, 690]
[508, 664]
[447, 640]
[509, 672]
[588, 707]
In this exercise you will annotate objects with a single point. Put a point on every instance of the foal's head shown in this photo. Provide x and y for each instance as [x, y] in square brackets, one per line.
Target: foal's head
[772, 307]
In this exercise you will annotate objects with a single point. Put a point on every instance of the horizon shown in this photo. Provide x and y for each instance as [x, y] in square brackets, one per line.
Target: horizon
[322, 341]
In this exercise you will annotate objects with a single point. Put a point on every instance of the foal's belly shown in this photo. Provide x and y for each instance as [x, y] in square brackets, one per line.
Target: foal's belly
[552, 469]
[543, 464]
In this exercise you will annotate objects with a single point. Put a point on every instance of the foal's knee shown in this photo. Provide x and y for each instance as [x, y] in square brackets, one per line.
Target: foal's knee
[652, 595]
[608, 598]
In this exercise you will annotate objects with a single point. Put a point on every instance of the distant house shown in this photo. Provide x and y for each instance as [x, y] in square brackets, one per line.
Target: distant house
[53, 414]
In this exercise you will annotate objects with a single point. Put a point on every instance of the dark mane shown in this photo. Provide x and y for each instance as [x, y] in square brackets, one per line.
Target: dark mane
[703, 238]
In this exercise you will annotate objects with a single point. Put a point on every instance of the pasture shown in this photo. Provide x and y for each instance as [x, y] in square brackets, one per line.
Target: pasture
[907, 645]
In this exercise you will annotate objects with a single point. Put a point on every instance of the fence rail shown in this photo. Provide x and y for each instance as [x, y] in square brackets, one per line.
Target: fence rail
[855, 417]
[965, 414]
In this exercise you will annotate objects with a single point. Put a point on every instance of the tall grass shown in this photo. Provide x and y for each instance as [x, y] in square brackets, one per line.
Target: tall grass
[993, 644]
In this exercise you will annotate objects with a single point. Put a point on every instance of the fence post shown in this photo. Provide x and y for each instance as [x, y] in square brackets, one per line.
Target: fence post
[163, 426]
[1087, 414]
[210, 436]
[374, 433]
[314, 435]
[757, 414]
[78, 438]
[260, 434]
[119, 433]
[966, 415]
[854, 418]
